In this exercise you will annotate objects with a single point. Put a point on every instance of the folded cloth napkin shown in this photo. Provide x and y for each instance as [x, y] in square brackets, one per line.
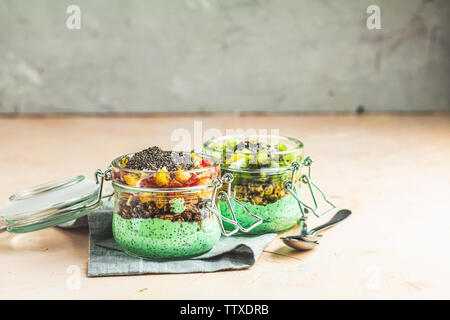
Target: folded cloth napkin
[107, 259]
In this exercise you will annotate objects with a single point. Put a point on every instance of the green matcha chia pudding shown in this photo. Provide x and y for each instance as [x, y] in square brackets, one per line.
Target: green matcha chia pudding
[159, 238]
[260, 165]
[277, 216]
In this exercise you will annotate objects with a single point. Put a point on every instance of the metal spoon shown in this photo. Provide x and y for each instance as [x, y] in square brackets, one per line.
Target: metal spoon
[299, 244]
[308, 240]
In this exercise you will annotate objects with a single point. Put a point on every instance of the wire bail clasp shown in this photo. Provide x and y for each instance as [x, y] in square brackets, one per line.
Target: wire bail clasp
[100, 177]
[289, 185]
[211, 204]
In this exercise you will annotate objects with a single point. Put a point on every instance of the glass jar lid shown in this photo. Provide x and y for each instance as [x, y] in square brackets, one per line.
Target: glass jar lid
[50, 204]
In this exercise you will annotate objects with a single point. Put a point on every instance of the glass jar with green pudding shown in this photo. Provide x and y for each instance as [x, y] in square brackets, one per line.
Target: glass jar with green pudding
[161, 213]
[267, 172]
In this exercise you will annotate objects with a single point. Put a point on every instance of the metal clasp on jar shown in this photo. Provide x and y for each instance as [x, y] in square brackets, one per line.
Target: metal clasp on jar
[100, 177]
[211, 204]
[289, 185]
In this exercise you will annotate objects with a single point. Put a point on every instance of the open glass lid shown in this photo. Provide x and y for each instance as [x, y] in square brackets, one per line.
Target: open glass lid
[51, 204]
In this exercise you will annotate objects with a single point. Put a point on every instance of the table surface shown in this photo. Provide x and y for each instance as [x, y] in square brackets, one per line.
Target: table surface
[392, 171]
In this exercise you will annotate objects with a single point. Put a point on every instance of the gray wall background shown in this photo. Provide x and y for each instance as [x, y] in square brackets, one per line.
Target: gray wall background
[224, 56]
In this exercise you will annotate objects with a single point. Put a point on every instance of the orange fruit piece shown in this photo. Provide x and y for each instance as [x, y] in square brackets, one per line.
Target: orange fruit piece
[132, 179]
[162, 178]
[182, 177]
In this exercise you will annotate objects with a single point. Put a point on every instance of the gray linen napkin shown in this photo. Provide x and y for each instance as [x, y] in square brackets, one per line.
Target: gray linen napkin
[107, 259]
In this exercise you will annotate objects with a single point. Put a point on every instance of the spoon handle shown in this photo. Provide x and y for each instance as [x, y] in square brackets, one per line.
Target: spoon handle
[338, 217]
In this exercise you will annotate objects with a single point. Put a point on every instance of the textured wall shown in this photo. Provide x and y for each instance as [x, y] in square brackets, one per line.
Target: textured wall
[223, 55]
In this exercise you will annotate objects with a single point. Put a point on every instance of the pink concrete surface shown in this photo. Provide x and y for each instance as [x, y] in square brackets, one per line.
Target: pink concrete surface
[392, 171]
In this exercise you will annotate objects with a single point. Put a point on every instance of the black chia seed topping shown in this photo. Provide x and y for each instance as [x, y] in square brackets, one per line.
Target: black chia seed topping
[253, 147]
[154, 158]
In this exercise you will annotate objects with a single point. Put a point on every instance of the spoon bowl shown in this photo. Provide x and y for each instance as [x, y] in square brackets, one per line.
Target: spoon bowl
[299, 244]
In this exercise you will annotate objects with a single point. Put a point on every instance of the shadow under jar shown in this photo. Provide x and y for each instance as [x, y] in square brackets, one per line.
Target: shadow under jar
[267, 177]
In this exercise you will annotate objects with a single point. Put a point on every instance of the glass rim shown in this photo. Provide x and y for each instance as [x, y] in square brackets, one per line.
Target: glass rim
[124, 187]
[299, 144]
[46, 187]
